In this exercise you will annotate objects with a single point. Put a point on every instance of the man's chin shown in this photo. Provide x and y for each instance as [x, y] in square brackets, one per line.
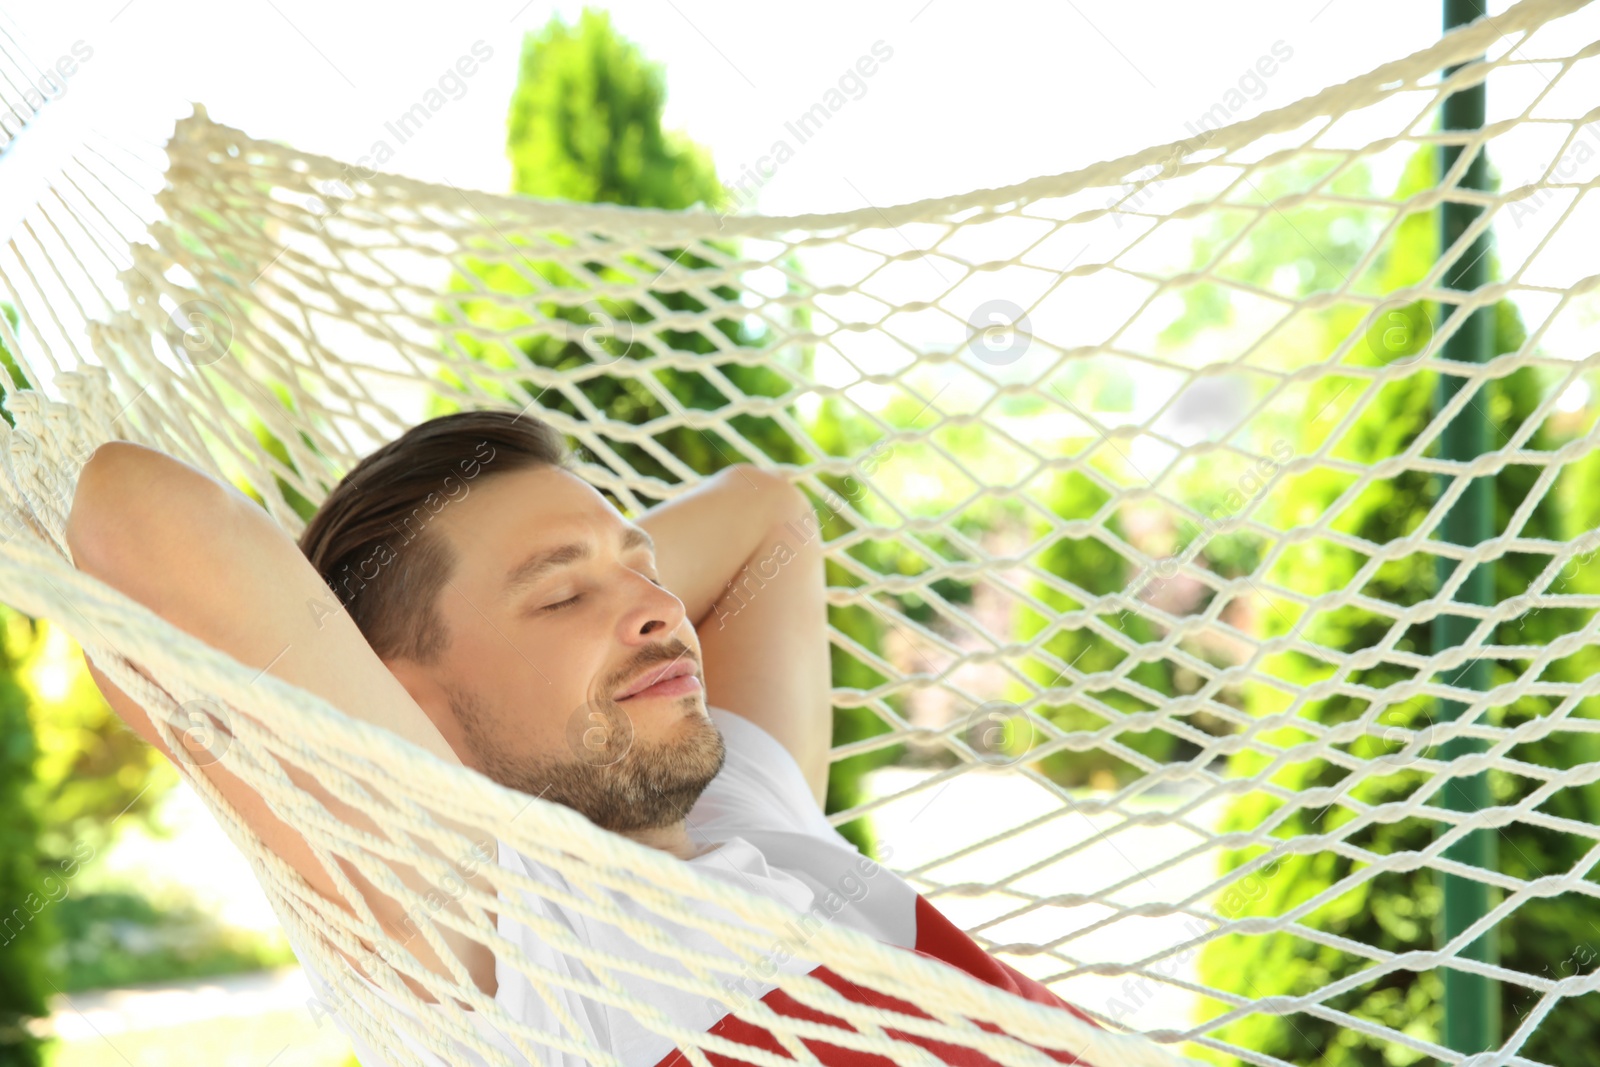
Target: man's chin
[693, 719]
[646, 773]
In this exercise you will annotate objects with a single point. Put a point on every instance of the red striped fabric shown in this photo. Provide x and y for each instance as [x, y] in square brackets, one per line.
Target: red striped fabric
[937, 938]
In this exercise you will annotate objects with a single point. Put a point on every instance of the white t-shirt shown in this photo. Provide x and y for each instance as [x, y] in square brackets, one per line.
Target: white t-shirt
[761, 830]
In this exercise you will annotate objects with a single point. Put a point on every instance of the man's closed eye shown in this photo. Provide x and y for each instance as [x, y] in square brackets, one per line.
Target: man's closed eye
[579, 596]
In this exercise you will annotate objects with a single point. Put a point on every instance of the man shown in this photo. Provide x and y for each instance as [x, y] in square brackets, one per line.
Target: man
[668, 678]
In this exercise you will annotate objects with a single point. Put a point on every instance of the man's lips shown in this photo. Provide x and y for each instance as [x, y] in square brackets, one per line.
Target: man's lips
[676, 686]
[672, 679]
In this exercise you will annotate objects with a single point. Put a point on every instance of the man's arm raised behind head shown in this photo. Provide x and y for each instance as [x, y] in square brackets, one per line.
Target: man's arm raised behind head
[204, 557]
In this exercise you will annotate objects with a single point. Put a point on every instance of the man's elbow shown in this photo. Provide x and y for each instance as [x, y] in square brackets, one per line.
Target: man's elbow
[132, 502]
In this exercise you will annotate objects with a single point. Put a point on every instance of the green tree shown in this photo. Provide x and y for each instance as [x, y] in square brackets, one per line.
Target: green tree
[585, 123]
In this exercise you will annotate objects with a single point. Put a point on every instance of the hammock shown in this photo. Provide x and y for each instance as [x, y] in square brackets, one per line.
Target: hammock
[1019, 400]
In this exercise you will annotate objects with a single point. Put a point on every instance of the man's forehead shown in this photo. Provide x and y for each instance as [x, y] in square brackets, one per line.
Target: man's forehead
[515, 516]
[511, 496]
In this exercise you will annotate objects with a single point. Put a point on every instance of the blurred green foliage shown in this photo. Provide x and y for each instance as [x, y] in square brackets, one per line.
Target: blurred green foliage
[121, 937]
[13, 377]
[1091, 568]
[96, 777]
[26, 924]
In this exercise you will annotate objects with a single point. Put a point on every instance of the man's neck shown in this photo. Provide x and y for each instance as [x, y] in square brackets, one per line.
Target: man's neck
[674, 839]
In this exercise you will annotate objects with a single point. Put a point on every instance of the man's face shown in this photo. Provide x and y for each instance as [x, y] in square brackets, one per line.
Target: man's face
[554, 616]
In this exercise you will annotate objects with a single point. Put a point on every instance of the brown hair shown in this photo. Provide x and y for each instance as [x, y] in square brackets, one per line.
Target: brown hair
[370, 539]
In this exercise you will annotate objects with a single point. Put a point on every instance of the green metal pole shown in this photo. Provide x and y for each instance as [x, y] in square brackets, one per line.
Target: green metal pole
[1471, 1002]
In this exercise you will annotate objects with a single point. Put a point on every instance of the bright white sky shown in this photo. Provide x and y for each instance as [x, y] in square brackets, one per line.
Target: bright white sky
[974, 95]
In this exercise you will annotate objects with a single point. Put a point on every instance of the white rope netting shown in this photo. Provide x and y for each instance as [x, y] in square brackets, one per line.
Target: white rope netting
[1133, 497]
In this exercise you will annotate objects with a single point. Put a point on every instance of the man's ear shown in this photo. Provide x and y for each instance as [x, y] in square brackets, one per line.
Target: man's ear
[433, 698]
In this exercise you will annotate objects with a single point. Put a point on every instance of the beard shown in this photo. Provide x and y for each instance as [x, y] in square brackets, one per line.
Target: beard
[618, 781]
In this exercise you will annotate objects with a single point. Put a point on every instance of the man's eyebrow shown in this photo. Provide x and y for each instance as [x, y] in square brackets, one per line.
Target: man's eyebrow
[636, 537]
[542, 563]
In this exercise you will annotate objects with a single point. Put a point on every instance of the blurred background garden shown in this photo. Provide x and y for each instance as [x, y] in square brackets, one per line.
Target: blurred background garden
[134, 933]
